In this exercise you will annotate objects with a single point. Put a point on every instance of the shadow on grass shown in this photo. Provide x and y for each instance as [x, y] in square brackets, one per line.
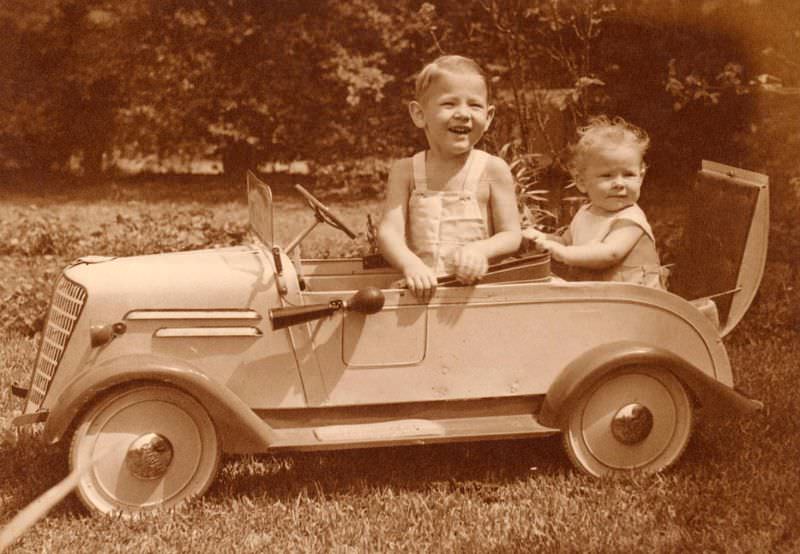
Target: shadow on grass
[457, 466]
[27, 470]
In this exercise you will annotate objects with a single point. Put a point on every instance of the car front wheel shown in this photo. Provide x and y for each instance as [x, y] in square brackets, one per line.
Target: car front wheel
[638, 418]
[144, 448]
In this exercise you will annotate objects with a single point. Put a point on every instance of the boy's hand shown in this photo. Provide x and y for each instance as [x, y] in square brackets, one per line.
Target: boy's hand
[469, 264]
[420, 280]
[556, 249]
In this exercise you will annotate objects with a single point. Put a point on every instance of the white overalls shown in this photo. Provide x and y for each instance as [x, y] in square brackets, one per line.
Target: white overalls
[440, 222]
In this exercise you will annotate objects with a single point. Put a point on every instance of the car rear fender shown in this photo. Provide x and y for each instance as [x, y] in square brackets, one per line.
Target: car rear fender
[585, 370]
[239, 428]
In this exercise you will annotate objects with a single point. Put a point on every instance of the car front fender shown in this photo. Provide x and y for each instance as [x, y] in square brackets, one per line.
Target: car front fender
[585, 370]
[240, 429]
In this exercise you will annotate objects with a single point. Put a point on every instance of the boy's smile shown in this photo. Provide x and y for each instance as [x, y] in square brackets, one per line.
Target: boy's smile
[460, 130]
[454, 112]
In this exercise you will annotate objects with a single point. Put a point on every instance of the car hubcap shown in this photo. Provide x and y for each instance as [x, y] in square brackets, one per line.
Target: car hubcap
[632, 423]
[149, 456]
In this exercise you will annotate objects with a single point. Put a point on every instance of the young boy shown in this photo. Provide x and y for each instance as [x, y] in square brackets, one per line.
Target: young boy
[451, 208]
[609, 239]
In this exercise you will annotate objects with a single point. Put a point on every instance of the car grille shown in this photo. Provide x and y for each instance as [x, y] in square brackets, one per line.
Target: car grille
[65, 309]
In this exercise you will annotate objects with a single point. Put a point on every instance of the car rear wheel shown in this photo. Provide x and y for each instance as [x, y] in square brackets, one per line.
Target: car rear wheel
[144, 448]
[636, 419]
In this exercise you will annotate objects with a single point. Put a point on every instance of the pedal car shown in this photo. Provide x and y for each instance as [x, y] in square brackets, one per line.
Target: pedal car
[153, 366]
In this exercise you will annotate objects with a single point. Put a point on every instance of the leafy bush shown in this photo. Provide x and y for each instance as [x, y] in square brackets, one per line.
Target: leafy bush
[132, 233]
[25, 307]
[35, 234]
[353, 178]
[37, 242]
[36, 245]
[26, 284]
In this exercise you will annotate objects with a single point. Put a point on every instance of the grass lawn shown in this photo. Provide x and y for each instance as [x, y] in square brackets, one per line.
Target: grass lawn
[736, 489]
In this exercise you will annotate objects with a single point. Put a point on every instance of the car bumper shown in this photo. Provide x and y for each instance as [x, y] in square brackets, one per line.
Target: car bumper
[28, 419]
[18, 390]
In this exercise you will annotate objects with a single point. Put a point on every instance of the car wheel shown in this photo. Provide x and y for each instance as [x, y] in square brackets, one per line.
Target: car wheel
[634, 419]
[144, 448]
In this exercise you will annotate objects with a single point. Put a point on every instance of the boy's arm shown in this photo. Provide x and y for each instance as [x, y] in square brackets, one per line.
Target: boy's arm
[503, 205]
[420, 279]
[599, 255]
[472, 260]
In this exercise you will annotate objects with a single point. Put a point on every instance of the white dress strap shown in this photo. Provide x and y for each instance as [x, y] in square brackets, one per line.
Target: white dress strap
[635, 215]
[477, 164]
[420, 177]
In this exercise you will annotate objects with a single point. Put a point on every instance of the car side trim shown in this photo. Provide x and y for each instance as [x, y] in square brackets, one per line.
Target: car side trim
[240, 429]
[183, 332]
[191, 314]
[579, 375]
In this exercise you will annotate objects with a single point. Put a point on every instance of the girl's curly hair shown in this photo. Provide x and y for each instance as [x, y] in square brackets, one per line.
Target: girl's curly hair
[600, 132]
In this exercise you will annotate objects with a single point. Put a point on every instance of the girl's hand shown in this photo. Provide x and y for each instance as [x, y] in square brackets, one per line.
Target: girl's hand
[531, 233]
[469, 264]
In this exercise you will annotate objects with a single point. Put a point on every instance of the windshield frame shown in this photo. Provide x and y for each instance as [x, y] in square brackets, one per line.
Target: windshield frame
[259, 209]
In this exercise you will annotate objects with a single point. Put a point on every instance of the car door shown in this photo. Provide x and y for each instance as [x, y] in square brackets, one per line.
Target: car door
[467, 342]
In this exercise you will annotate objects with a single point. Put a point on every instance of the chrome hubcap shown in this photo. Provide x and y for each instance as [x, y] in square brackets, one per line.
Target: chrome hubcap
[149, 456]
[632, 423]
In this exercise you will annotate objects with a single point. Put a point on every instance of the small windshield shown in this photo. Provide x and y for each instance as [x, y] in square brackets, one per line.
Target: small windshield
[259, 200]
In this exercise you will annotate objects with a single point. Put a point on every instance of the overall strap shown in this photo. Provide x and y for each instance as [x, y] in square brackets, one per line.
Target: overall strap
[477, 164]
[420, 178]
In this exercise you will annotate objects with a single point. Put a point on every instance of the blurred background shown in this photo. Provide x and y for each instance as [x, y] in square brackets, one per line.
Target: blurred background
[97, 88]
[125, 129]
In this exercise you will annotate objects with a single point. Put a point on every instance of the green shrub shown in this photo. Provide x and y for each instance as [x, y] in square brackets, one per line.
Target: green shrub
[36, 245]
[131, 233]
[352, 178]
[25, 288]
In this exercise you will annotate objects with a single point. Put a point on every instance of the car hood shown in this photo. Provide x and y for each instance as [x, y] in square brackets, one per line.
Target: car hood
[215, 278]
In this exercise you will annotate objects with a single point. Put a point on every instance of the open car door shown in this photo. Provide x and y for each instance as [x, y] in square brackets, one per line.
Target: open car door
[726, 246]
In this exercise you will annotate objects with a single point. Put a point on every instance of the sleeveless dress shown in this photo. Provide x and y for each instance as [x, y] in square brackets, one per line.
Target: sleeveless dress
[641, 266]
[441, 222]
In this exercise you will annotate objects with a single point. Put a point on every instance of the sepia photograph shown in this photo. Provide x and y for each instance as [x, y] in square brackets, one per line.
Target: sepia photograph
[399, 276]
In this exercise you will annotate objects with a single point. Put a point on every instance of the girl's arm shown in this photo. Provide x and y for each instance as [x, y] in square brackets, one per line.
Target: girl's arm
[420, 279]
[538, 236]
[599, 255]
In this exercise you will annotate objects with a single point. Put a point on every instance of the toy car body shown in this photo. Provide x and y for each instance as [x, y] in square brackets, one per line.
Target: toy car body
[154, 365]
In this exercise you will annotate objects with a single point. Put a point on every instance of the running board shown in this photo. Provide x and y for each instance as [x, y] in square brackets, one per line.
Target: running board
[409, 431]
[388, 430]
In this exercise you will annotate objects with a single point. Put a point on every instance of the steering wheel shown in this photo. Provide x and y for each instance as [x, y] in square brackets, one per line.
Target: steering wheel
[323, 213]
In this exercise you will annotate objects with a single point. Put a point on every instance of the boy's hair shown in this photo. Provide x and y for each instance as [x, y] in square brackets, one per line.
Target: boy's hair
[602, 131]
[452, 63]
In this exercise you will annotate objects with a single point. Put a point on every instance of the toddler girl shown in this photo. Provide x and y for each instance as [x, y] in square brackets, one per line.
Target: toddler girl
[609, 239]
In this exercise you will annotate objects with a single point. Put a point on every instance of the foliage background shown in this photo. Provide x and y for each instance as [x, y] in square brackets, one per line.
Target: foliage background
[87, 87]
[85, 83]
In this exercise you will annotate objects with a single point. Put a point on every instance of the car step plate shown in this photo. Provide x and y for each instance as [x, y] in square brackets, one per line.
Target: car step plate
[391, 430]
